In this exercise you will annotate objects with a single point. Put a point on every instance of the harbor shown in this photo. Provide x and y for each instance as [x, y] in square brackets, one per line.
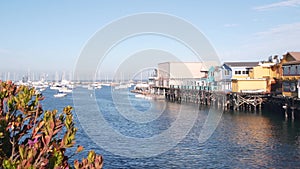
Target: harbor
[247, 139]
[241, 132]
[246, 86]
[257, 104]
[233, 85]
[150, 84]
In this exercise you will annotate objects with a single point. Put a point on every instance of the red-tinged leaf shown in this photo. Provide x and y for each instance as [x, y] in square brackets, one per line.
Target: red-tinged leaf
[85, 161]
[24, 163]
[56, 131]
[79, 149]
[41, 124]
[41, 98]
[37, 136]
[47, 140]
[76, 164]
[99, 162]
[43, 141]
[36, 129]
[52, 125]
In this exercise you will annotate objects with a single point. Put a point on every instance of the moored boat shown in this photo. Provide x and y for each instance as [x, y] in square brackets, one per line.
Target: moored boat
[60, 94]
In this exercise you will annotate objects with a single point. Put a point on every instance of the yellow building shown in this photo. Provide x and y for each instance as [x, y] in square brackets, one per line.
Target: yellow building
[263, 70]
[266, 71]
[284, 75]
[259, 79]
[241, 80]
[249, 85]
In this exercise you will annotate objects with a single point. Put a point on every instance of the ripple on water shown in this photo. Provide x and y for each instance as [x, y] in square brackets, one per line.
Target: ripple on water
[241, 140]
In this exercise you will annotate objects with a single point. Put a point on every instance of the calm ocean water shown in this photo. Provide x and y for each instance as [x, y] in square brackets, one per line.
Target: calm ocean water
[241, 139]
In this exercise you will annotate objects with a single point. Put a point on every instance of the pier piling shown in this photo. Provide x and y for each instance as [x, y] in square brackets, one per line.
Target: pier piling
[234, 101]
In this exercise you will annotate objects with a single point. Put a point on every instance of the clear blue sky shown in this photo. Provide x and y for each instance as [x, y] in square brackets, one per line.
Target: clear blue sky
[49, 35]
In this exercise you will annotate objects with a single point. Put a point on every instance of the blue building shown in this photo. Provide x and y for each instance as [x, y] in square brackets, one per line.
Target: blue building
[212, 73]
[222, 77]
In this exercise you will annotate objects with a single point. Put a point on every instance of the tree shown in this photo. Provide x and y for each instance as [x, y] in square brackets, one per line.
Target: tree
[33, 138]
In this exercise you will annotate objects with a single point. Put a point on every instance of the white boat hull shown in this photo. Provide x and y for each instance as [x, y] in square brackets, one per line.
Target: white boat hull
[60, 95]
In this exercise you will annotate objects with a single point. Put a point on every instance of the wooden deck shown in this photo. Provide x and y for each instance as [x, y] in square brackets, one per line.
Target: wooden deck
[233, 101]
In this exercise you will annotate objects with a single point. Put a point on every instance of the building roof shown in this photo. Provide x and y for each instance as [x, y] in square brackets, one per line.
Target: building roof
[207, 65]
[295, 55]
[185, 69]
[224, 66]
[241, 64]
[266, 64]
[292, 62]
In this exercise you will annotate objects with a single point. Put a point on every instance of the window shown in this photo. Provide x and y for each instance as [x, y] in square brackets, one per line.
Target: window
[293, 87]
[245, 72]
[237, 72]
[226, 72]
[286, 87]
[285, 70]
[293, 70]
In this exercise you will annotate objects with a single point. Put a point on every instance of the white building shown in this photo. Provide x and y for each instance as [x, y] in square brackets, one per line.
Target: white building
[240, 70]
[182, 73]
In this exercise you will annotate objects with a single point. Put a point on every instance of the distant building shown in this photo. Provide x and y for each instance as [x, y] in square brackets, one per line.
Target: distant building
[249, 85]
[212, 74]
[291, 74]
[265, 71]
[223, 75]
[232, 76]
[181, 74]
[240, 70]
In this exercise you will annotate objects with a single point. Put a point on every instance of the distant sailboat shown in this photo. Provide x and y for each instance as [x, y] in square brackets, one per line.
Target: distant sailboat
[65, 90]
[106, 83]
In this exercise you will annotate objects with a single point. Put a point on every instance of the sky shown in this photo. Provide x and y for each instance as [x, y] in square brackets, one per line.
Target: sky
[50, 35]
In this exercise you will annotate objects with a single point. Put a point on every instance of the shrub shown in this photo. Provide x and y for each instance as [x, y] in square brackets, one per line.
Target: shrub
[33, 138]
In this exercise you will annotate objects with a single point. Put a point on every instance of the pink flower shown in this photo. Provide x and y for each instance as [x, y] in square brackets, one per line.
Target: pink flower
[31, 143]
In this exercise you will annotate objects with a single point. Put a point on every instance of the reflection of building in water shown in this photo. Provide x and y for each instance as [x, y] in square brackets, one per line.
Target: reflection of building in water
[253, 133]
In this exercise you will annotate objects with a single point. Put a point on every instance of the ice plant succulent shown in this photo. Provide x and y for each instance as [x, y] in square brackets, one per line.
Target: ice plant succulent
[31, 143]
[29, 136]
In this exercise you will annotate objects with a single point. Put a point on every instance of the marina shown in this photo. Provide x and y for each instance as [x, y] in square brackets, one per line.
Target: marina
[258, 115]
[246, 139]
[231, 86]
[150, 84]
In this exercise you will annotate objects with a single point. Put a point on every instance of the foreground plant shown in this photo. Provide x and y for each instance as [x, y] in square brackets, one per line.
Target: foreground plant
[33, 138]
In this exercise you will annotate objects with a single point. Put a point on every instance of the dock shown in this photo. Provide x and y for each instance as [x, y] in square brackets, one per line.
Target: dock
[236, 101]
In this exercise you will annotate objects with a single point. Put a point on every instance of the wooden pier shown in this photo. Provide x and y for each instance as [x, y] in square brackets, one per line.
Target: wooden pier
[234, 101]
[246, 101]
[290, 106]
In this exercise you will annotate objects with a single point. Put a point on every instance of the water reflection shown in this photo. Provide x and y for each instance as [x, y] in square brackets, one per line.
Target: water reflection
[241, 140]
[252, 135]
